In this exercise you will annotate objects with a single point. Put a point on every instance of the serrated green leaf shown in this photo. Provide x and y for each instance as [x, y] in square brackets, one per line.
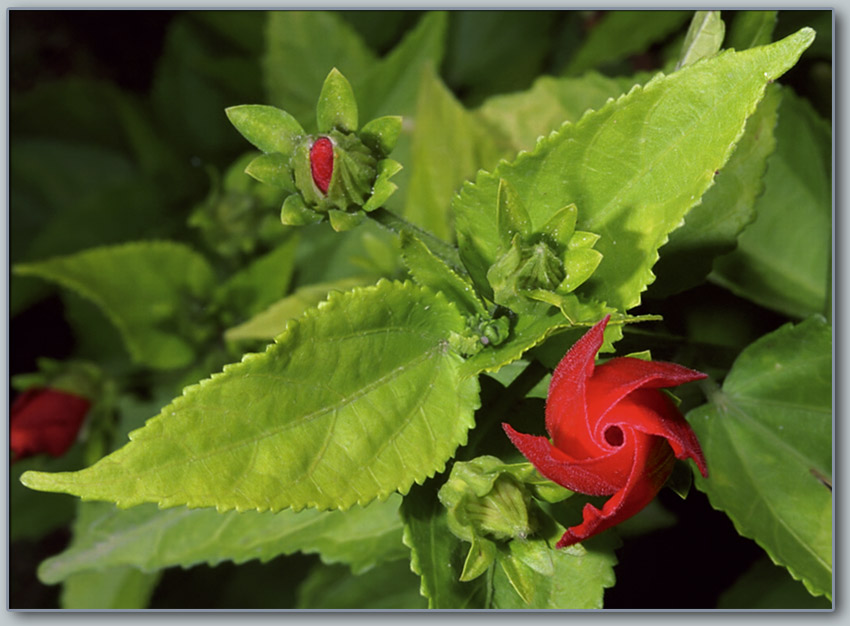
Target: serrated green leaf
[703, 39]
[783, 258]
[114, 588]
[766, 586]
[429, 270]
[363, 387]
[767, 436]
[147, 289]
[449, 145]
[385, 587]
[271, 322]
[268, 128]
[263, 282]
[525, 117]
[151, 539]
[301, 48]
[337, 106]
[622, 33]
[751, 28]
[712, 227]
[436, 554]
[634, 168]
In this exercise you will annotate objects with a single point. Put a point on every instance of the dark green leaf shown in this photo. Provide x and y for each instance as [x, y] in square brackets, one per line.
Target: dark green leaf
[751, 28]
[113, 588]
[767, 436]
[766, 586]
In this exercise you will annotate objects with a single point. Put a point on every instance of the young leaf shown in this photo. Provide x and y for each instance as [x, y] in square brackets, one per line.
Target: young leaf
[622, 33]
[436, 554]
[388, 586]
[767, 436]
[634, 168]
[302, 47]
[703, 39]
[147, 289]
[149, 539]
[712, 227]
[783, 258]
[113, 588]
[357, 399]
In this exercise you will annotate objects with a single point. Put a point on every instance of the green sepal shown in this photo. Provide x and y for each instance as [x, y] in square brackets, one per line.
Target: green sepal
[381, 134]
[383, 188]
[272, 169]
[512, 217]
[337, 107]
[267, 127]
[579, 265]
[524, 270]
[354, 173]
[295, 213]
[480, 557]
[342, 221]
[561, 226]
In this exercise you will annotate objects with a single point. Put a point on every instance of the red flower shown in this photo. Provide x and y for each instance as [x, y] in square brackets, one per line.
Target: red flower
[322, 163]
[45, 420]
[613, 432]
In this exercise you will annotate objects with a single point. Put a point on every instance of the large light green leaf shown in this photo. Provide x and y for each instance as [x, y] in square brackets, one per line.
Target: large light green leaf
[527, 116]
[150, 291]
[634, 168]
[622, 33]
[149, 539]
[783, 258]
[712, 227]
[301, 48]
[448, 146]
[388, 586]
[767, 436]
[357, 399]
[115, 588]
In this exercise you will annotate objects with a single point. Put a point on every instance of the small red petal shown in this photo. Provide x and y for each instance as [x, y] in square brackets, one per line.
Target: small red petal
[45, 421]
[322, 163]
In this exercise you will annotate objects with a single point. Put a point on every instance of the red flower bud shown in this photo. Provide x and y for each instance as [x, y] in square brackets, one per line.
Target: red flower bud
[322, 163]
[613, 432]
[45, 421]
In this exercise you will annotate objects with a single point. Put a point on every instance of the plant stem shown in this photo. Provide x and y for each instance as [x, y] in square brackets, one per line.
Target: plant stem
[440, 248]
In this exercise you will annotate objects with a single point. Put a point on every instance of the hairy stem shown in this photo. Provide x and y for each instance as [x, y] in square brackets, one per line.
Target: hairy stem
[440, 248]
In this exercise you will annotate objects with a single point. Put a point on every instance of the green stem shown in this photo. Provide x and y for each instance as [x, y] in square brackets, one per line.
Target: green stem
[440, 248]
